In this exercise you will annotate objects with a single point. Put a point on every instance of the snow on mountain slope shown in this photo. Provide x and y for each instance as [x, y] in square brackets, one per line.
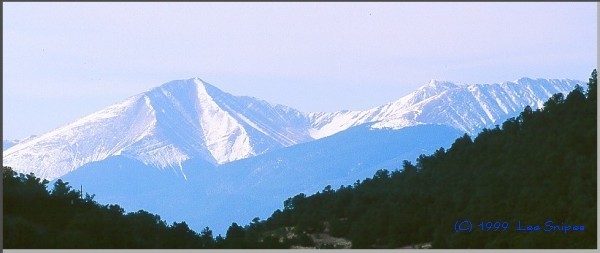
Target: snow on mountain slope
[186, 119]
[58, 152]
[285, 125]
[469, 108]
[163, 127]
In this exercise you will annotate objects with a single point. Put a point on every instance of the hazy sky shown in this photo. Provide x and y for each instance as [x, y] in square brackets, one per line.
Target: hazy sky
[62, 61]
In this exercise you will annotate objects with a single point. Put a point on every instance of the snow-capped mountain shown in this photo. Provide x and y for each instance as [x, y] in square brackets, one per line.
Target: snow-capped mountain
[137, 153]
[163, 127]
[191, 119]
[469, 108]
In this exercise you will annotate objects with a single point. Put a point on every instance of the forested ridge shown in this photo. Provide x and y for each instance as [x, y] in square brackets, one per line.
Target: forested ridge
[35, 217]
[536, 167]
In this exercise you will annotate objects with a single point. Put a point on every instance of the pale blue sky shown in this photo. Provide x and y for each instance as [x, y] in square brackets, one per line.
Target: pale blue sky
[62, 61]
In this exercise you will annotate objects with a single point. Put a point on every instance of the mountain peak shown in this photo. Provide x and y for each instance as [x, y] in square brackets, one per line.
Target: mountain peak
[186, 91]
[435, 87]
[435, 82]
[431, 89]
[190, 82]
[440, 83]
[203, 83]
[527, 80]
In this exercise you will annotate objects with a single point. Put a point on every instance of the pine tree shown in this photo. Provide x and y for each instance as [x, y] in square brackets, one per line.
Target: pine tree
[592, 84]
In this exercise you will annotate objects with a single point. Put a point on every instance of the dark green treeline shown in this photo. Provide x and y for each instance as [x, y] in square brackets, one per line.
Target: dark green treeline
[536, 167]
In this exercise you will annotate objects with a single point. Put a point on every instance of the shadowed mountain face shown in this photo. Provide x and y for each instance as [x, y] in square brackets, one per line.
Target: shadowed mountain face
[238, 191]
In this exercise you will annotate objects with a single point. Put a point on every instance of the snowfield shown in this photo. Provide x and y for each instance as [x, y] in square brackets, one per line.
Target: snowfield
[191, 119]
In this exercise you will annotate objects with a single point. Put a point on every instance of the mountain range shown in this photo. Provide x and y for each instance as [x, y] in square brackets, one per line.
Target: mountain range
[188, 119]
[187, 150]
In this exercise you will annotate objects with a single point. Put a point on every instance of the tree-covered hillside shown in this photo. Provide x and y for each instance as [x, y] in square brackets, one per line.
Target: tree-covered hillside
[35, 217]
[538, 169]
